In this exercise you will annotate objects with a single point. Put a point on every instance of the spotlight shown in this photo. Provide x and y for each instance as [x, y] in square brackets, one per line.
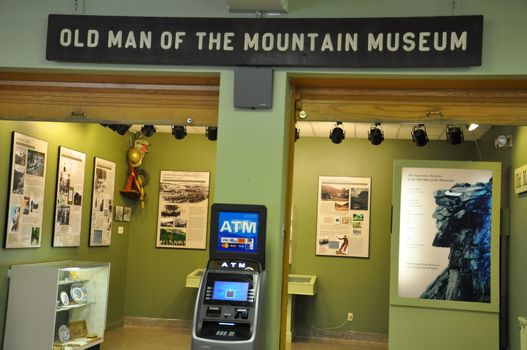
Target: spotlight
[375, 135]
[212, 133]
[121, 129]
[337, 134]
[297, 133]
[454, 135]
[503, 141]
[473, 127]
[179, 132]
[148, 130]
[419, 135]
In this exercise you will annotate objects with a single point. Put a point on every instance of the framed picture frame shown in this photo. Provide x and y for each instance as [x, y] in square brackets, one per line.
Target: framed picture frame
[102, 202]
[343, 216]
[69, 196]
[27, 185]
[118, 216]
[183, 198]
[127, 214]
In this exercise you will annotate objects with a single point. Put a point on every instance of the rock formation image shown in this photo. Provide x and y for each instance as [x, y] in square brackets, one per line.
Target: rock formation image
[463, 220]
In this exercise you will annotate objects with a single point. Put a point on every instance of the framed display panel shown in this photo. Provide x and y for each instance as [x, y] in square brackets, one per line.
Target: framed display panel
[343, 216]
[183, 209]
[69, 197]
[445, 239]
[102, 202]
[27, 182]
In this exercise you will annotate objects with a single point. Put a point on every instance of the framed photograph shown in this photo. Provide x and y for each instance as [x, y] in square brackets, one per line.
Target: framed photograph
[343, 216]
[118, 213]
[27, 182]
[183, 199]
[127, 214]
[102, 202]
[69, 196]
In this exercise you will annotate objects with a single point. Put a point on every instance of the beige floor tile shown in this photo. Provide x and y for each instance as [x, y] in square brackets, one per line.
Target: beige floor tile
[151, 338]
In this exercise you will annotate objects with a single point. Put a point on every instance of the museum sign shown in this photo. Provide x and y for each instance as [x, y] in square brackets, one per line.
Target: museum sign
[453, 41]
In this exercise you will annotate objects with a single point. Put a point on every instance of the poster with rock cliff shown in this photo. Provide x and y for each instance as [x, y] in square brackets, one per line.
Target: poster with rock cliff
[445, 234]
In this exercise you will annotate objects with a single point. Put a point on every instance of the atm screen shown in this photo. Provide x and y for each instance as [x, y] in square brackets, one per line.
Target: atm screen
[238, 232]
[230, 291]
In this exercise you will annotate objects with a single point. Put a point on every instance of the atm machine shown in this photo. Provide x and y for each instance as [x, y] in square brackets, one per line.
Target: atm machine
[228, 311]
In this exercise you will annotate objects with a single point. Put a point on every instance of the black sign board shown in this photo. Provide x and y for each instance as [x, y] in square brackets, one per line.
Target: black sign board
[453, 41]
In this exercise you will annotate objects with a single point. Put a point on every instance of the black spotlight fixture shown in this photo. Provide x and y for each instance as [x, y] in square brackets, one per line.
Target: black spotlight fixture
[179, 131]
[419, 135]
[297, 133]
[148, 130]
[121, 129]
[337, 134]
[212, 133]
[375, 135]
[454, 135]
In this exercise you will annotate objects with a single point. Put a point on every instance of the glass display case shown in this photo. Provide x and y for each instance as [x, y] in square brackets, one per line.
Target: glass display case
[57, 305]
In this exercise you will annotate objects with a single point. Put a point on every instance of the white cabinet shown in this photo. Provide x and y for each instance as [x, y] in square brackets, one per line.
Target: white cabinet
[57, 306]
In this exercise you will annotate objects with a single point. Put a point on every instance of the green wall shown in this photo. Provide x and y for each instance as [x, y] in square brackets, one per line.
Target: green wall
[515, 239]
[94, 140]
[155, 285]
[252, 165]
[355, 285]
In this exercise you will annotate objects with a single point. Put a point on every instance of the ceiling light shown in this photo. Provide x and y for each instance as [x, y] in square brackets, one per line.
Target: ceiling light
[148, 130]
[337, 134]
[179, 132]
[454, 135]
[212, 133]
[419, 135]
[302, 114]
[375, 134]
[473, 127]
[503, 141]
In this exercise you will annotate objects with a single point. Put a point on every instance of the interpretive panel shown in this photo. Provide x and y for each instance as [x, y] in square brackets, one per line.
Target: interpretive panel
[102, 202]
[26, 192]
[69, 196]
[343, 218]
[183, 209]
[445, 234]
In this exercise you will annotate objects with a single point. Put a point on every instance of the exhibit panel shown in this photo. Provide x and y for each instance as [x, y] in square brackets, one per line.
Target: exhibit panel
[445, 251]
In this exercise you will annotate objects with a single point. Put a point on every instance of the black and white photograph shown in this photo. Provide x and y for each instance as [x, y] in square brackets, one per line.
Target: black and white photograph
[118, 216]
[27, 182]
[35, 163]
[20, 156]
[127, 214]
[18, 181]
[63, 215]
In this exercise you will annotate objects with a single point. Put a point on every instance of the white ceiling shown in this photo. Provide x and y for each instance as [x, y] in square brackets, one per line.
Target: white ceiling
[353, 130]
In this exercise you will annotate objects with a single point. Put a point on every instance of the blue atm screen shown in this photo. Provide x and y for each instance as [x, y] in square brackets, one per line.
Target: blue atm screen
[230, 291]
[238, 232]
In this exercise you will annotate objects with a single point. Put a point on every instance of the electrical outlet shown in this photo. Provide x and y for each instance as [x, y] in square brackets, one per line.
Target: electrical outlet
[350, 316]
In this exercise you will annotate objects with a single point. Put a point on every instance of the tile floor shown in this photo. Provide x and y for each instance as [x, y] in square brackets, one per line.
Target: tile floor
[154, 338]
